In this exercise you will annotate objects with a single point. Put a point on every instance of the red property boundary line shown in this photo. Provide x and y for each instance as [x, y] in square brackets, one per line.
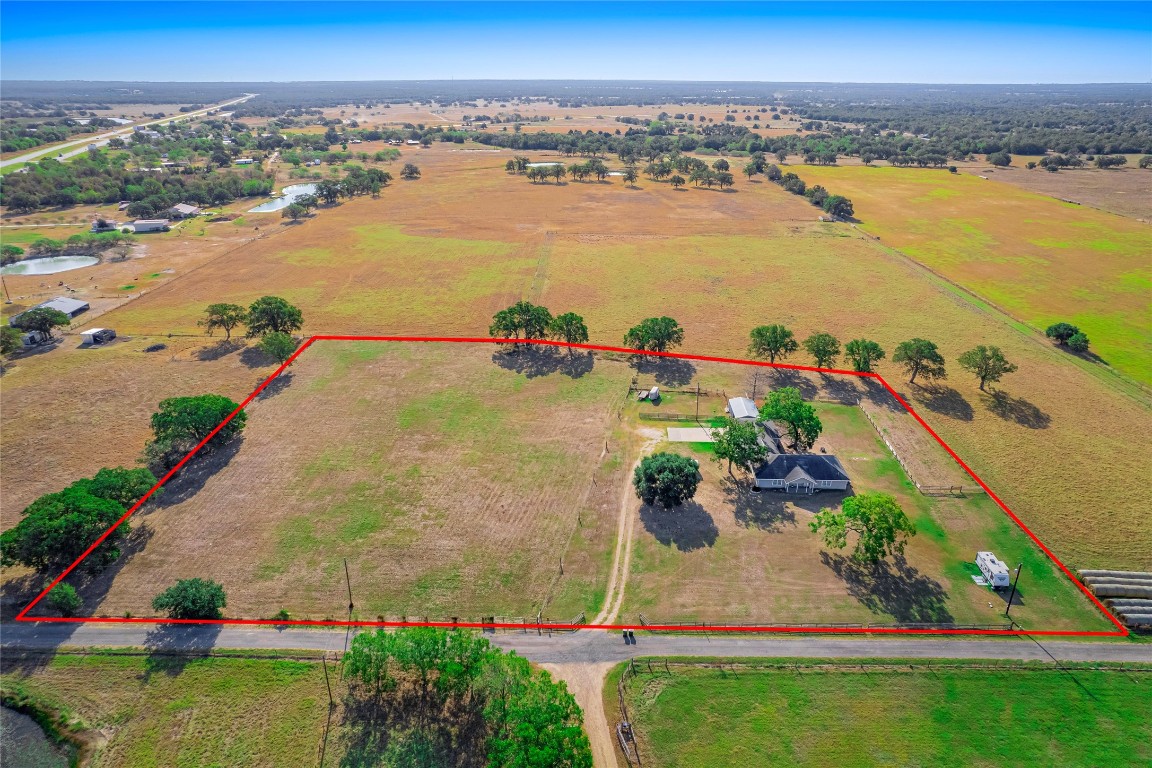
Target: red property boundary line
[1121, 630]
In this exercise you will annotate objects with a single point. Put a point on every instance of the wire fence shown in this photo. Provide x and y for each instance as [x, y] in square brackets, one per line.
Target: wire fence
[705, 625]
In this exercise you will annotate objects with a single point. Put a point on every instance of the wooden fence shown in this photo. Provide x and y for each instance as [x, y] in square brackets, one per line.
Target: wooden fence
[927, 490]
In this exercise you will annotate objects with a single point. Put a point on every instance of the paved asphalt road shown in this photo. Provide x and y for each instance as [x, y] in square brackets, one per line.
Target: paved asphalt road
[586, 646]
[73, 148]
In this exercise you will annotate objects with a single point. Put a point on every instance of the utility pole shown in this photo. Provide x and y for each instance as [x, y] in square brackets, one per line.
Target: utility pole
[1015, 581]
[697, 401]
[348, 579]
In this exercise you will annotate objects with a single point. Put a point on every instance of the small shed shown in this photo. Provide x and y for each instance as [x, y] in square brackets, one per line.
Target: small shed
[743, 409]
[183, 211]
[97, 335]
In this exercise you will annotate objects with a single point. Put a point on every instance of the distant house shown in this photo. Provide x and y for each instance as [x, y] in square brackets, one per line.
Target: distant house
[150, 225]
[183, 211]
[743, 409]
[70, 307]
[412, 143]
[801, 473]
[244, 161]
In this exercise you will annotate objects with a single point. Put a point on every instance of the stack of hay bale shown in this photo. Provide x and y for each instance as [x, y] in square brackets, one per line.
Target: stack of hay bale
[1127, 593]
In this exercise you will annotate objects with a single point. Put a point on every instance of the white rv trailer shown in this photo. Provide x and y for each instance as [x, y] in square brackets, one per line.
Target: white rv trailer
[995, 571]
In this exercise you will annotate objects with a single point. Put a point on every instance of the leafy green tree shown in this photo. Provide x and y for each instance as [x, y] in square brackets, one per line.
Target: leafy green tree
[182, 422]
[569, 328]
[986, 363]
[630, 175]
[271, 314]
[738, 441]
[1078, 342]
[824, 348]
[878, 521]
[721, 165]
[863, 353]
[409, 171]
[655, 334]
[226, 316]
[676, 181]
[64, 600]
[294, 211]
[57, 528]
[42, 319]
[668, 478]
[920, 358]
[10, 339]
[751, 169]
[535, 722]
[999, 159]
[799, 418]
[10, 253]
[329, 191]
[772, 341]
[1061, 332]
[838, 205]
[521, 320]
[279, 346]
[192, 599]
[123, 486]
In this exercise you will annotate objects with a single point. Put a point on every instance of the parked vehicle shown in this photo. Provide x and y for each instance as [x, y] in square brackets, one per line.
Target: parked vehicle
[995, 571]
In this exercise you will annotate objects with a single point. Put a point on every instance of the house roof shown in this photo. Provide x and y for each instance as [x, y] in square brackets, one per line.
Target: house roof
[782, 466]
[185, 208]
[743, 408]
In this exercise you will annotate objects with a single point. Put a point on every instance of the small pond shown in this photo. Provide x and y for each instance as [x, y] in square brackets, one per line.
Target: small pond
[541, 165]
[288, 195]
[26, 745]
[49, 266]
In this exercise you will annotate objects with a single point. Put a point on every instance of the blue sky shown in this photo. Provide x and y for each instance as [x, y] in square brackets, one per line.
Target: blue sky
[926, 42]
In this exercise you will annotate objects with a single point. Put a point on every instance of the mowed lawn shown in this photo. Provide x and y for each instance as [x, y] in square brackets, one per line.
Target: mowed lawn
[1040, 259]
[731, 555]
[920, 715]
[166, 711]
[440, 255]
[451, 483]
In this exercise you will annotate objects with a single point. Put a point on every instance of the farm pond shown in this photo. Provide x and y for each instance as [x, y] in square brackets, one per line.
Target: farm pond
[49, 266]
[288, 195]
[26, 745]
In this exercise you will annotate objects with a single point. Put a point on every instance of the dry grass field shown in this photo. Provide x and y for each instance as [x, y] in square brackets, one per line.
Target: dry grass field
[442, 254]
[737, 556]
[1126, 191]
[450, 482]
[1037, 258]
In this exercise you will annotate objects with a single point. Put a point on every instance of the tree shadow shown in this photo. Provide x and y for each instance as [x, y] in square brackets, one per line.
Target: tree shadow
[876, 394]
[276, 386]
[448, 731]
[538, 360]
[944, 400]
[785, 377]
[218, 350]
[1016, 409]
[896, 589]
[686, 527]
[840, 388]
[666, 371]
[93, 586]
[192, 476]
[763, 511]
[254, 357]
[172, 646]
